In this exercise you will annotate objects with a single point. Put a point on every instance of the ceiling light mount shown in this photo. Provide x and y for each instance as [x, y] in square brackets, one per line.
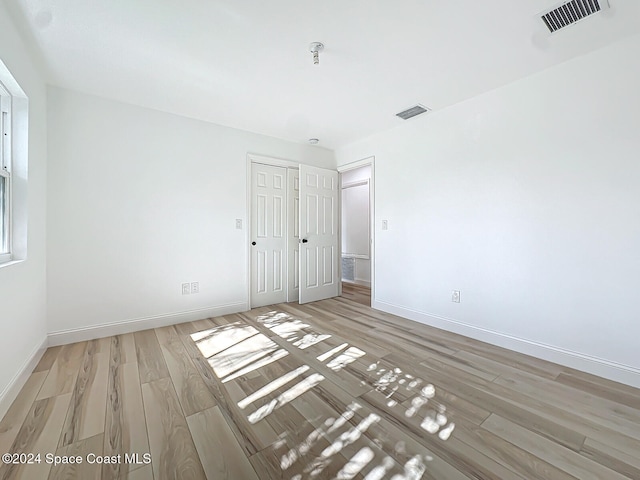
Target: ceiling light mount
[315, 48]
[314, 141]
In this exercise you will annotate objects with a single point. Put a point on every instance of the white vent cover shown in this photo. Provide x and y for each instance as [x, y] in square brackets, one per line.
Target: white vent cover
[568, 13]
[349, 268]
[412, 112]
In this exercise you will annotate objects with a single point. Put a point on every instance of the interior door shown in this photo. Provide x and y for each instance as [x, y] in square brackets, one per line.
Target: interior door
[318, 233]
[268, 234]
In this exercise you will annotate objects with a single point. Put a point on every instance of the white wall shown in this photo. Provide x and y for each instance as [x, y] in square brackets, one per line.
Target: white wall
[22, 285]
[358, 231]
[527, 200]
[141, 201]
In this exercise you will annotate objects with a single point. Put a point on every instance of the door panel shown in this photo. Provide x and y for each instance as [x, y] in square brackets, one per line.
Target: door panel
[293, 235]
[319, 227]
[268, 255]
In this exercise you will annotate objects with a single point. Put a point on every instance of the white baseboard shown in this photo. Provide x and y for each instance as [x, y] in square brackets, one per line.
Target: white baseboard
[597, 366]
[9, 394]
[364, 283]
[63, 337]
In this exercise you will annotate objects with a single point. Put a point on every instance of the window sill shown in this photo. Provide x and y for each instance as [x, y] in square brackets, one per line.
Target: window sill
[8, 263]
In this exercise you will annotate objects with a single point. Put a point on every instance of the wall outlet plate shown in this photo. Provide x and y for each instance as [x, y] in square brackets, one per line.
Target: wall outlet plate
[195, 287]
[455, 296]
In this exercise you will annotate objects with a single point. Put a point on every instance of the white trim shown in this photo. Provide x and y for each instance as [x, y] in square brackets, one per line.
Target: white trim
[9, 394]
[587, 363]
[3, 90]
[11, 262]
[248, 225]
[63, 337]
[9, 83]
[17, 163]
[357, 183]
[357, 164]
[6, 230]
[273, 161]
[358, 282]
[355, 255]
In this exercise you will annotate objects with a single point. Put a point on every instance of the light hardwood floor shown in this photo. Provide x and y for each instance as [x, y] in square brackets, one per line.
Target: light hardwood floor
[332, 389]
[357, 293]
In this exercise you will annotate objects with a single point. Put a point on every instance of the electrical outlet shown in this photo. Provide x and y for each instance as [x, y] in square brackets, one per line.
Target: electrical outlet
[455, 296]
[186, 288]
[385, 225]
[195, 287]
[239, 223]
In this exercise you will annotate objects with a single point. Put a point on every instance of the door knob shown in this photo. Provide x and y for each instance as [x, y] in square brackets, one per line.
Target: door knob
[304, 240]
[253, 243]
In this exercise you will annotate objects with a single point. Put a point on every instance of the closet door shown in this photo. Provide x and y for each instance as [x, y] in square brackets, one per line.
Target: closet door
[268, 235]
[319, 250]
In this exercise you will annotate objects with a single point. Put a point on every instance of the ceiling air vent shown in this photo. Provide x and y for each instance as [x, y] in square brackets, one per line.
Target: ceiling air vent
[571, 12]
[412, 112]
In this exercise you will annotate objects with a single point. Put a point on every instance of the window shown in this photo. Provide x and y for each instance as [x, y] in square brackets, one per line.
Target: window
[5, 175]
[14, 161]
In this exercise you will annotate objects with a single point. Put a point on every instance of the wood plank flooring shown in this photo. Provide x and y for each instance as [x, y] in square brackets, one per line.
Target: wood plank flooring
[357, 293]
[332, 389]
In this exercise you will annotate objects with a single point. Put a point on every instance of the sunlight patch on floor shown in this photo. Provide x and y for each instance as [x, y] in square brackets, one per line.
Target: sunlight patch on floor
[286, 397]
[344, 359]
[272, 386]
[237, 349]
[294, 330]
[218, 339]
[332, 352]
[266, 360]
[242, 355]
[391, 381]
[356, 463]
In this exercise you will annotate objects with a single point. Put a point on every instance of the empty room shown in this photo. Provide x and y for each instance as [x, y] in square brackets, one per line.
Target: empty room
[319, 240]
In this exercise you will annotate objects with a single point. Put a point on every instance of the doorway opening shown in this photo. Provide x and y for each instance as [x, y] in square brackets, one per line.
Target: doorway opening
[356, 195]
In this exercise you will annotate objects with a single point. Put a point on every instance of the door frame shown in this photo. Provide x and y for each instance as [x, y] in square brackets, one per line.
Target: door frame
[265, 160]
[368, 161]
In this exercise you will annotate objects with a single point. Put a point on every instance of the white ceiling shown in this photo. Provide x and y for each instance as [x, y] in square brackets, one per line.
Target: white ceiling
[246, 63]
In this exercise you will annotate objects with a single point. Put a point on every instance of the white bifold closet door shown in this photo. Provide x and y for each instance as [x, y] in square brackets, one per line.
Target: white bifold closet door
[294, 234]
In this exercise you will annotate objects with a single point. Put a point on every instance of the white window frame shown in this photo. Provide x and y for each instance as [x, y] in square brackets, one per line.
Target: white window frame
[5, 172]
